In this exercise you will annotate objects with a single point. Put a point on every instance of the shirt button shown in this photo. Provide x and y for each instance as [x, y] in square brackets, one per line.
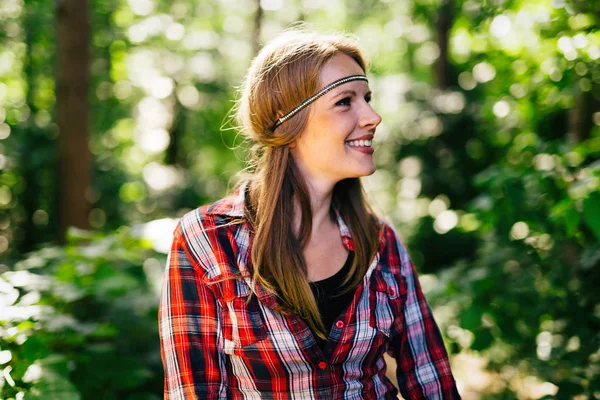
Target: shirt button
[391, 291]
[339, 324]
[322, 365]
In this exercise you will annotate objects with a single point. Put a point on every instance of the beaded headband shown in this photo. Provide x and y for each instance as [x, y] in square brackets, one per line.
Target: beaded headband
[315, 96]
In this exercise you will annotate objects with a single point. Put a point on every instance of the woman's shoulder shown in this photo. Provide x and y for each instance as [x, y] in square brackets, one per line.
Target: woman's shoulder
[201, 232]
[387, 232]
[217, 214]
[203, 219]
[393, 248]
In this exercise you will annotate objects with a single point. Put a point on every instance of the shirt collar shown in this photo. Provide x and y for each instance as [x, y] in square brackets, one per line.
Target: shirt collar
[232, 205]
[235, 204]
[344, 231]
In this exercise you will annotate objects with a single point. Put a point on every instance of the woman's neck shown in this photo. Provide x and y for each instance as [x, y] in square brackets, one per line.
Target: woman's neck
[320, 203]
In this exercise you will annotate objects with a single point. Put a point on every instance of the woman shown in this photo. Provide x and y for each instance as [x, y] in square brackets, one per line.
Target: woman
[292, 287]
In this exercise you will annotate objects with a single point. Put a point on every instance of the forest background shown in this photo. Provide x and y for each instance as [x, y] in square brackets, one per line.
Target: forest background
[114, 122]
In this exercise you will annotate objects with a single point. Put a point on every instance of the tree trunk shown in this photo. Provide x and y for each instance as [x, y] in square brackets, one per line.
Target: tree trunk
[173, 154]
[443, 70]
[581, 116]
[73, 77]
[258, 18]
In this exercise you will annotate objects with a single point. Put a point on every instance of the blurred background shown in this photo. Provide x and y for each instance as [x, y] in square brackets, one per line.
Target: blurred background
[114, 122]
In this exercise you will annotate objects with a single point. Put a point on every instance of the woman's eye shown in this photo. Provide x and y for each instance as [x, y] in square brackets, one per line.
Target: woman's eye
[343, 102]
[368, 99]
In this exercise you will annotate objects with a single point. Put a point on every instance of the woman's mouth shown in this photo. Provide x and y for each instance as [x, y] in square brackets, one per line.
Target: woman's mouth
[364, 146]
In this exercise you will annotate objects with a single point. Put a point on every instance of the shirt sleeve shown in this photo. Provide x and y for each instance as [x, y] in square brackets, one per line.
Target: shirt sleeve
[189, 323]
[423, 368]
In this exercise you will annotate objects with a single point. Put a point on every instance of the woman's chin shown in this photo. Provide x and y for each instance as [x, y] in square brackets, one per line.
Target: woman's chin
[364, 172]
[370, 170]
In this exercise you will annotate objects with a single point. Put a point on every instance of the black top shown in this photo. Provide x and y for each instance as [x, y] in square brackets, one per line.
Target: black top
[330, 300]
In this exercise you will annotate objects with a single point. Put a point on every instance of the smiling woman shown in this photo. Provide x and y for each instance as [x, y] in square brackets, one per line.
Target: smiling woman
[291, 287]
[336, 141]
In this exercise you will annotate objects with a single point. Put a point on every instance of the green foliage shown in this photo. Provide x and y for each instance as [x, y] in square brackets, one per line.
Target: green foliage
[529, 297]
[79, 322]
[492, 177]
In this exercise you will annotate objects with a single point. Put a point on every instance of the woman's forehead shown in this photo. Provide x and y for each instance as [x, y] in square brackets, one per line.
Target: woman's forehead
[340, 66]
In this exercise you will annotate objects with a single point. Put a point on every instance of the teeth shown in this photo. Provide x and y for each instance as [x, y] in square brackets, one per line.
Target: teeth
[360, 143]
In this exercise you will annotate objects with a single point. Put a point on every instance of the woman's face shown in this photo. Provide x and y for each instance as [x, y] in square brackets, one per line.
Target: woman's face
[336, 141]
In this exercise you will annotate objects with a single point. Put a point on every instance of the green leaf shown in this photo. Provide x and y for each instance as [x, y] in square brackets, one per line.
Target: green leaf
[483, 340]
[572, 219]
[565, 213]
[560, 208]
[470, 319]
[591, 213]
[34, 348]
[105, 330]
[53, 387]
[49, 378]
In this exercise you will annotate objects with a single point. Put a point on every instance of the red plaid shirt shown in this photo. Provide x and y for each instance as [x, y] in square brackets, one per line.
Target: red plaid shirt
[217, 344]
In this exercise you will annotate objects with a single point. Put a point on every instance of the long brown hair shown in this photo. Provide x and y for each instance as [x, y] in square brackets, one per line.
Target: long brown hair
[283, 74]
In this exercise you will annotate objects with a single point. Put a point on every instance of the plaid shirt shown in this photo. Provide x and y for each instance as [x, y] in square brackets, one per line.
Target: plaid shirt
[217, 344]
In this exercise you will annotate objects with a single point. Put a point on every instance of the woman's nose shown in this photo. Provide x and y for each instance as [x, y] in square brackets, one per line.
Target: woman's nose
[370, 118]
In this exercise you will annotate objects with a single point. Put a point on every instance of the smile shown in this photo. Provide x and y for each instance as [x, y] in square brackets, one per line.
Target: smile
[359, 143]
[363, 146]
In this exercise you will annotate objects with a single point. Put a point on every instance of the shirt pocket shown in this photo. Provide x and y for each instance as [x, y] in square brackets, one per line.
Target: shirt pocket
[387, 297]
[242, 317]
